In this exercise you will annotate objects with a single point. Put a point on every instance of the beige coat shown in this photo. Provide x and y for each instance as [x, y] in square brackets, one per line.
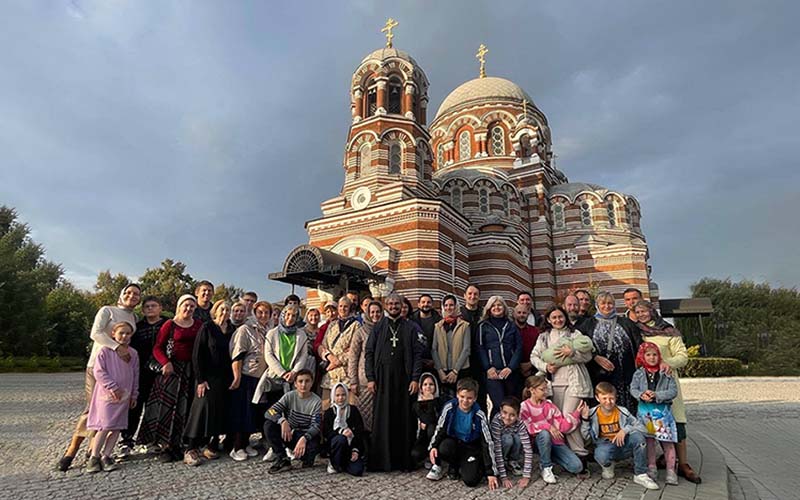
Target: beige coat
[356, 362]
[674, 354]
[580, 385]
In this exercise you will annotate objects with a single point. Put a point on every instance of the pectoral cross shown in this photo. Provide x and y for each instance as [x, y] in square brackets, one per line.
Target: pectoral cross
[481, 55]
[394, 340]
[387, 28]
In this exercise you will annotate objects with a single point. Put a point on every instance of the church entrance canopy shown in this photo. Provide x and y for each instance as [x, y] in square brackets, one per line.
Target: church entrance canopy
[310, 266]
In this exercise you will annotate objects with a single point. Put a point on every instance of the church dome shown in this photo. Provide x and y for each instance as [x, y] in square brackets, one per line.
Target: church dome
[479, 89]
[388, 52]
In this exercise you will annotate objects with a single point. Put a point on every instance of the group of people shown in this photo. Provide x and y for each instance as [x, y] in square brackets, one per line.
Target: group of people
[469, 392]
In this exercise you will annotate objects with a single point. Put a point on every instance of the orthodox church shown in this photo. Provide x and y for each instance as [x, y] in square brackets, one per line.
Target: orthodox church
[471, 197]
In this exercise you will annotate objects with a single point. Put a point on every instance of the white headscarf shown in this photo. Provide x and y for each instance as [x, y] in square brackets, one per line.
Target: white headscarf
[122, 294]
[183, 298]
[342, 411]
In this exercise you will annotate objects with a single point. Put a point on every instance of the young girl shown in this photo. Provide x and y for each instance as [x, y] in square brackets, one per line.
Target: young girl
[655, 391]
[427, 408]
[547, 427]
[343, 429]
[114, 394]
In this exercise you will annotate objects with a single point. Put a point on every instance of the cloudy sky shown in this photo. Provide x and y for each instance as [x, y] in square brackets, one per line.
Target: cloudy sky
[209, 132]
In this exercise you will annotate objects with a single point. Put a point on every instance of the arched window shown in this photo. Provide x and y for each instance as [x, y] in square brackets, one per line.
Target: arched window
[611, 207]
[558, 216]
[455, 198]
[506, 204]
[395, 158]
[420, 163]
[440, 155]
[628, 218]
[498, 141]
[586, 213]
[526, 149]
[483, 200]
[372, 100]
[464, 146]
[395, 89]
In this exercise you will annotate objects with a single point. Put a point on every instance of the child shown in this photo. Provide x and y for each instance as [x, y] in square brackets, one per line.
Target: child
[427, 408]
[343, 429]
[511, 443]
[547, 426]
[617, 434]
[655, 391]
[295, 420]
[463, 439]
[114, 394]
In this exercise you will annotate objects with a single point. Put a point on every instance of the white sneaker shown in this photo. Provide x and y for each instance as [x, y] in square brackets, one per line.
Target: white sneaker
[608, 472]
[270, 456]
[331, 469]
[290, 453]
[548, 476]
[435, 473]
[644, 480]
[238, 455]
[672, 477]
[251, 452]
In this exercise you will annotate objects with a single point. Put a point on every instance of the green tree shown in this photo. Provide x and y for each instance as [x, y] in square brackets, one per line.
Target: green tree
[167, 282]
[69, 316]
[227, 292]
[108, 287]
[26, 278]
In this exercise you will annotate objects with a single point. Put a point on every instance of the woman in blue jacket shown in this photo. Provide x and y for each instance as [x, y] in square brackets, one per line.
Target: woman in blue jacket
[500, 350]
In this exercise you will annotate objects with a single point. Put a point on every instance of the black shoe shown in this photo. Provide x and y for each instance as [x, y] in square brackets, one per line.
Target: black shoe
[280, 465]
[452, 473]
[166, 456]
[65, 463]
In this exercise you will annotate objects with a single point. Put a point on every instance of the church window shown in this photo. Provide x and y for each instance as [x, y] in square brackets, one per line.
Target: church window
[372, 101]
[558, 216]
[498, 141]
[611, 207]
[395, 96]
[455, 198]
[586, 213]
[440, 156]
[395, 158]
[464, 146]
[364, 159]
[628, 214]
[483, 200]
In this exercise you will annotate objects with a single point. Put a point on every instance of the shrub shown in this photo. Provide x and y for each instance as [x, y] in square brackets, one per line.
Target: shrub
[35, 364]
[713, 367]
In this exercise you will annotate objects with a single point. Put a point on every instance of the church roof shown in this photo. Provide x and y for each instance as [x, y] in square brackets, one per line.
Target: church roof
[490, 87]
[570, 189]
[387, 52]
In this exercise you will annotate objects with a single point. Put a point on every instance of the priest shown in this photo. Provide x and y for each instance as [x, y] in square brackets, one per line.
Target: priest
[393, 364]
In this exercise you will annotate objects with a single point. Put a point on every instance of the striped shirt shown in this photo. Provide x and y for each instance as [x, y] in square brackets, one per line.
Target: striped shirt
[303, 415]
[498, 429]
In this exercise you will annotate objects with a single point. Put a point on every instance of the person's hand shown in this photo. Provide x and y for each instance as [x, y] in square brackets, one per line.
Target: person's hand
[286, 431]
[354, 389]
[504, 373]
[201, 389]
[347, 433]
[123, 352]
[116, 395]
[442, 375]
[413, 387]
[619, 438]
[334, 362]
[604, 363]
[555, 432]
[581, 407]
[646, 396]
[493, 483]
[132, 404]
[353, 456]
[288, 376]
[371, 387]
[235, 384]
[491, 373]
[422, 425]
[300, 448]
[433, 455]
[551, 368]
[564, 351]
[665, 369]
[507, 483]
[451, 377]
[523, 483]
[168, 369]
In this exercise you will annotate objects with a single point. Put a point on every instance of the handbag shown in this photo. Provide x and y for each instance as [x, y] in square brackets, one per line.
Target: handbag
[153, 365]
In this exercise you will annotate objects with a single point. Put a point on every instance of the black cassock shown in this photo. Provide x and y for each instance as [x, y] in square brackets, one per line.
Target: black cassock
[394, 355]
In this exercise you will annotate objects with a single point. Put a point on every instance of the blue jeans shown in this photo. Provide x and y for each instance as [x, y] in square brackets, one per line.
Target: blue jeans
[560, 453]
[635, 444]
[512, 447]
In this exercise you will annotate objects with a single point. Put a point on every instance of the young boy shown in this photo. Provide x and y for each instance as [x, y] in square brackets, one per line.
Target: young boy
[512, 443]
[295, 421]
[617, 435]
[462, 438]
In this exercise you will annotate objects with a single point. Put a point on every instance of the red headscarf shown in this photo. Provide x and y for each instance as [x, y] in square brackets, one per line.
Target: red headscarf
[648, 346]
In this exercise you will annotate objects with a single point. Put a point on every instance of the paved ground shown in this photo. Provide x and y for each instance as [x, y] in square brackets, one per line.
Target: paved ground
[37, 412]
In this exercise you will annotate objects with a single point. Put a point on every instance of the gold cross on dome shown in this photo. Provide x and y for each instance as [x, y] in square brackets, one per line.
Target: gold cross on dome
[481, 55]
[387, 28]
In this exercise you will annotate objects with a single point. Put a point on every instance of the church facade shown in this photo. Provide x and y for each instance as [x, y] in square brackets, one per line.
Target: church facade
[471, 197]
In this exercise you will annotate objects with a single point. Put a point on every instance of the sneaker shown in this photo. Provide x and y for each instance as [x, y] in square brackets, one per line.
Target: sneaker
[290, 453]
[109, 464]
[65, 462]
[280, 465]
[124, 451]
[644, 480]
[94, 465]
[652, 472]
[435, 473]
[251, 452]
[427, 464]
[607, 472]
[238, 455]
[209, 454]
[192, 457]
[331, 469]
[453, 473]
[515, 468]
[270, 456]
[548, 476]
[672, 477]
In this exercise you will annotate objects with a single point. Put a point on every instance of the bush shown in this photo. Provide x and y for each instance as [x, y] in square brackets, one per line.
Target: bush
[713, 367]
[36, 364]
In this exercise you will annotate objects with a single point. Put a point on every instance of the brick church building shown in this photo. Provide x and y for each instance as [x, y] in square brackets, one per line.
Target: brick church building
[471, 197]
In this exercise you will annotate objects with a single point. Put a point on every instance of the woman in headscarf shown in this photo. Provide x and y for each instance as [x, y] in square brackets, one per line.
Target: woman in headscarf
[100, 334]
[247, 355]
[616, 341]
[451, 347]
[312, 320]
[211, 361]
[286, 353]
[674, 356]
[335, 348]
[356, 371]
[343, 429]
[171, 397]
[238, 314]
[500, 349]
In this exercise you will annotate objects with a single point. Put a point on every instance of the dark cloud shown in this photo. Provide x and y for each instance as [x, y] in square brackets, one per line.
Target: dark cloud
[136, 131]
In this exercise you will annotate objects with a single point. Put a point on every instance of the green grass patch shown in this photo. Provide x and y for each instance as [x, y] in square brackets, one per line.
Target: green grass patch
[37, 364]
